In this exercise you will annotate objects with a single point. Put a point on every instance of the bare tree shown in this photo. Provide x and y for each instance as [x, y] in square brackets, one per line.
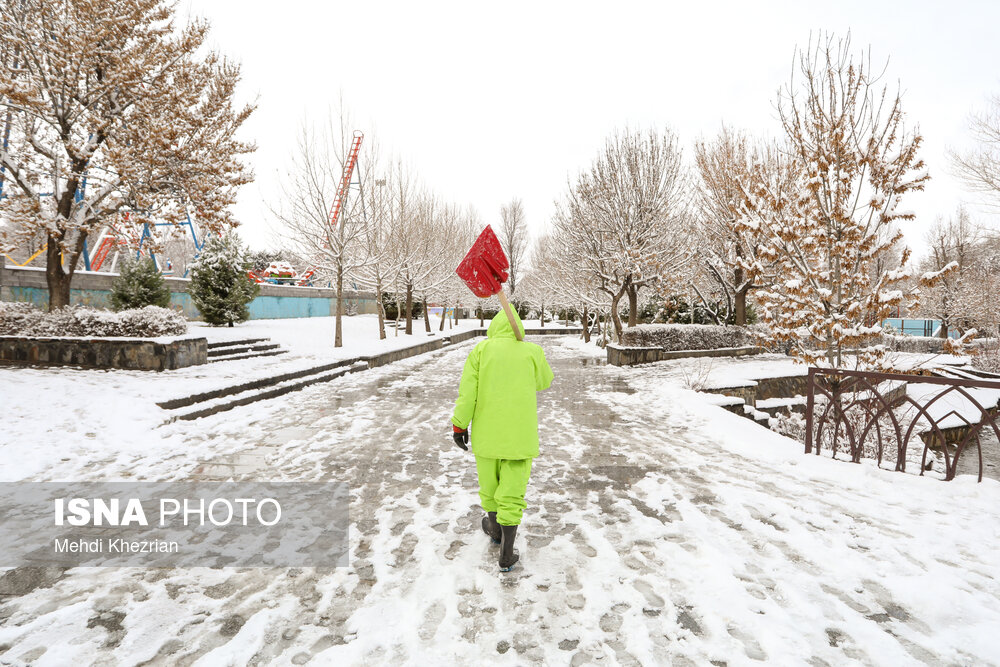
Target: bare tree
[441, 251]
[626, 218]
[729, 241]
[385, 202]
[336, 240]
[979, 168]
[539, 286]
[108, 106]
[513, 239]
[559, 279]
[956, 242]
[419, 241]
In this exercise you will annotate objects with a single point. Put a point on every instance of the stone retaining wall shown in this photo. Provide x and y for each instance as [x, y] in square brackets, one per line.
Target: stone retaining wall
[782, 387]
[745, 392]
[631, 356]
[133, 354]
[751, 391]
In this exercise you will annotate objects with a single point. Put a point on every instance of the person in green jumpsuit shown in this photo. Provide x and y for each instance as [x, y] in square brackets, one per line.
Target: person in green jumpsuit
[497, 397]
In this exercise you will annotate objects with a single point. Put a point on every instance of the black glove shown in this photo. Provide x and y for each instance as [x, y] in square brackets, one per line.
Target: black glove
[461, 437]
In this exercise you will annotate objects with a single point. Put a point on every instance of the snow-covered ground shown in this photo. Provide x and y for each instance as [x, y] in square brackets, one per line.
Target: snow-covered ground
[715, 372]
[61, 423]
[659, 530]
[312, 337]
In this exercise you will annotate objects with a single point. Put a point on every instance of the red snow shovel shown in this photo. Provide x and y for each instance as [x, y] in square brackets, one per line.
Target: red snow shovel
[484, 270]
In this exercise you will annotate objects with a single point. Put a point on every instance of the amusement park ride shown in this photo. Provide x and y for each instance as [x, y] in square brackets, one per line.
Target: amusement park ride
[112, 238]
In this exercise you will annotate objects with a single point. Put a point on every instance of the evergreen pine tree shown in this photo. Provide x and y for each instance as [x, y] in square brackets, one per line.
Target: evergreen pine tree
[138, 285]
[220, 287]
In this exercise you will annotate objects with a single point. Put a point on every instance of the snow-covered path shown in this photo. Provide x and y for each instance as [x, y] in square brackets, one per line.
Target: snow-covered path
[658, 531]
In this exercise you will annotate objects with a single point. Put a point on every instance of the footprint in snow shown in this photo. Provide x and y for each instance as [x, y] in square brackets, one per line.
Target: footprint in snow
[750, 645]
[432, 621]
[453, 550]
[652, 599]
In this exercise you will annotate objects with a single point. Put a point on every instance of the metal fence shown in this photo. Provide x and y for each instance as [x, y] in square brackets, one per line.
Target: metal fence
[874, 413]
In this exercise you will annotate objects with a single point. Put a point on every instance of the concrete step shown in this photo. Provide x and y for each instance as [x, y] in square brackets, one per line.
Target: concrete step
[243, 341]
[254, 395]
[248, 355]
[260, 383]
[238, 349]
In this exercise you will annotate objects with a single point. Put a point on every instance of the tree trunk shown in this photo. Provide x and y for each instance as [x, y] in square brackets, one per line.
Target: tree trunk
[338, 338]
[633, 305]
[444, 316]
[427, 317]
[381, 309]
[481, 313]
[740, 308]
[740, 300]
[409, 309]
[399, 311]
[586, 327]
[616, 319]
[541, 315]
[57, 279]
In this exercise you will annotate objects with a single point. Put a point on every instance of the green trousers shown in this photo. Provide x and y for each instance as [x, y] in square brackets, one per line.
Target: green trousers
[502, 483]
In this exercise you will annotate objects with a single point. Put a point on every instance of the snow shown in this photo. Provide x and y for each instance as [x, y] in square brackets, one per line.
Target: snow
[932, 275]
[312, 337]
[953, 408]
[780, 402]
[108, 420]
[659, 530]
[718, 372]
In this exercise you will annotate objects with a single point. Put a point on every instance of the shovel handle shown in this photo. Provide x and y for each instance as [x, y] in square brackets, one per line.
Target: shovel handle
[510, 314]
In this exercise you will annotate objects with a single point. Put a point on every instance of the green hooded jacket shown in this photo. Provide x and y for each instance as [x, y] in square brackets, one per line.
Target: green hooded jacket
[497, 393]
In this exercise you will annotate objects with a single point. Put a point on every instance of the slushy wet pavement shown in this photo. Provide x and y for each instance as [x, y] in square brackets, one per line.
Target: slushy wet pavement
[644, 542]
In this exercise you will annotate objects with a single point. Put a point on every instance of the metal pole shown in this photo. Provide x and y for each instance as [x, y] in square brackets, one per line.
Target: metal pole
[811, 378]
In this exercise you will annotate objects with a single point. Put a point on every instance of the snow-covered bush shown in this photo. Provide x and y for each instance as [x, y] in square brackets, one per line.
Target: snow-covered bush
[696, 375]
[139, 284]
[924, 344]
[17, 316]
[986, 355]
[857, 417]
[692, 336]
[25, 319]
[789, 424]
[152, 321]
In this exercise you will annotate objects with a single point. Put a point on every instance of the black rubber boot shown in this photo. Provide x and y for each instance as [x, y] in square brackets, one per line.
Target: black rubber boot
[491, 527]
[507, 555]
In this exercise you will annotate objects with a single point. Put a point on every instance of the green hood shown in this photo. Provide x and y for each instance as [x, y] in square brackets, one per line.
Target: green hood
[500, 325]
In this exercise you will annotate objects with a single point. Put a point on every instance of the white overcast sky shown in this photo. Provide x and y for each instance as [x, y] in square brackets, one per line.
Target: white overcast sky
[489, 101]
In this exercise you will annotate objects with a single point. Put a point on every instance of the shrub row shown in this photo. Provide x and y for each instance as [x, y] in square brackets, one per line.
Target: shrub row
[924, 344]
[672, 337]
[25, 319]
